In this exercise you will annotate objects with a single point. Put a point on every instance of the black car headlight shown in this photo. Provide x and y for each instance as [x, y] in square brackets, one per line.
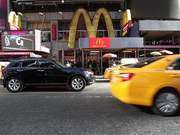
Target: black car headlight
[88, 73]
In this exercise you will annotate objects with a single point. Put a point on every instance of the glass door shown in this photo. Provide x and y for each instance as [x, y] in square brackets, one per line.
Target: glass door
[92, 60]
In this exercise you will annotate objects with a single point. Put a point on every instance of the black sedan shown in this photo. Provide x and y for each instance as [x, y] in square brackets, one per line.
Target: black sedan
[28, 72]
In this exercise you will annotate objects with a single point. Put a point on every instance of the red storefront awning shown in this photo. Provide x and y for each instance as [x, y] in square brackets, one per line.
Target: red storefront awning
[15, 53]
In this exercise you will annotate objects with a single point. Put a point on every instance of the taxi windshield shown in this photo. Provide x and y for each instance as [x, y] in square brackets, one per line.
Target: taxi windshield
[145, 62]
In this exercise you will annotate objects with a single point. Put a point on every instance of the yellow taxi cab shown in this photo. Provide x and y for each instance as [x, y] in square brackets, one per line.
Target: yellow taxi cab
[108, 72]
[154, 82]
[125, 62]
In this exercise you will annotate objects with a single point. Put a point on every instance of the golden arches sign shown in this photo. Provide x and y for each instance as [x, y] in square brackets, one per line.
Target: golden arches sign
[91, 26]
[14, 21]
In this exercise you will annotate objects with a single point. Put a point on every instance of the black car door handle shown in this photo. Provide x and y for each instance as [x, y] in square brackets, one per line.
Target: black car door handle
[40, 70]
[19, 70]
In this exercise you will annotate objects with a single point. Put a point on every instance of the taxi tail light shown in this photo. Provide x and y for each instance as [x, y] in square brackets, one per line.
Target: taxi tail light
[126, 76]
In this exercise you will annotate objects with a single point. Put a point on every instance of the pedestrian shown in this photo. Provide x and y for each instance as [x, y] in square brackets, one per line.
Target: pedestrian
[90, 64]
[94, 66]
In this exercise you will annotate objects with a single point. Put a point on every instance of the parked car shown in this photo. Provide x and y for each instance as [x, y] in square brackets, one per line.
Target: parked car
[154, 83]
[44, 72]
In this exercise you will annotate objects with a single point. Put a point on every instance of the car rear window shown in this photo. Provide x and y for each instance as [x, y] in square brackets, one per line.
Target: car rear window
[14, 64]
[45, 63]
[17, 64]
[30, 63]
[145, 62]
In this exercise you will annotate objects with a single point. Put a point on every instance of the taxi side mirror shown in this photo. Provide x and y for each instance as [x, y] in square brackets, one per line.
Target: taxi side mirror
[170, 68]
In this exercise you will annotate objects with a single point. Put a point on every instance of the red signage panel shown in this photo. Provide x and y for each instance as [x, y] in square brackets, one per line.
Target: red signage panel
[54, 32]
[14, 53]
[99, 42]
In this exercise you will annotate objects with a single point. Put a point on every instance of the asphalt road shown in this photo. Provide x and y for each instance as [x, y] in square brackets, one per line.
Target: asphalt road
[90, 112]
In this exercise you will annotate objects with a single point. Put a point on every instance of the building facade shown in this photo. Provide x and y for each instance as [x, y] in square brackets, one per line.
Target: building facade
[83, 31]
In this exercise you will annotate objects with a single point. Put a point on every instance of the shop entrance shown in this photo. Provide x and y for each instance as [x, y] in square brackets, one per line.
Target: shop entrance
[92, 60]
[86, 58]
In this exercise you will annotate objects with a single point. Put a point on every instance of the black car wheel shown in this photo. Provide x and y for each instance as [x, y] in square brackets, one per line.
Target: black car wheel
[14, 85]
[166, 103]
[77, 83]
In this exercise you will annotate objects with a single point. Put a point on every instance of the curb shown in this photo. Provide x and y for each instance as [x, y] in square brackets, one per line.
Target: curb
[100, 79]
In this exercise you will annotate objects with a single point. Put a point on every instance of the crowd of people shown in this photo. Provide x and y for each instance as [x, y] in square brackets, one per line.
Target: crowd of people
[92, 64]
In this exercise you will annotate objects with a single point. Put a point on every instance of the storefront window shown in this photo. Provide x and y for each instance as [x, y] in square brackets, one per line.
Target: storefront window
[39, 25]
[46, 36]
[63, 35]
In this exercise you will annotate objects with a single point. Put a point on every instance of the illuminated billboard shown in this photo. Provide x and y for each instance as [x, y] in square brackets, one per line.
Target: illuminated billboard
[3, 14]
[17, 42]
[23, 41]
[126, 22]
[14, 21]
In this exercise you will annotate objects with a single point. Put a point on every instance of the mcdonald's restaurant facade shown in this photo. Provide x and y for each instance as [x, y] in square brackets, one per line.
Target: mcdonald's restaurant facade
[80, 31]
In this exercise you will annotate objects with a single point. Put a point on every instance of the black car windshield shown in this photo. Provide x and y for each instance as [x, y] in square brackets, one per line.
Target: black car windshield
[145, 62]
[59, 64]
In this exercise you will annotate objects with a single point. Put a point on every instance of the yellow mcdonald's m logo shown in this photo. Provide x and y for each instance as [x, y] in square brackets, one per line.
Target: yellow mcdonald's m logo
[99, 42]
[14, 21]
[91, 26]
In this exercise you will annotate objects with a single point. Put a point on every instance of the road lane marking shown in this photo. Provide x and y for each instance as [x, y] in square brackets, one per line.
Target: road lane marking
[51, 95]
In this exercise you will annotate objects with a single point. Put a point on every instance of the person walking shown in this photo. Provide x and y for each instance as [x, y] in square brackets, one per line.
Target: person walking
[94, 66]
[90, 64]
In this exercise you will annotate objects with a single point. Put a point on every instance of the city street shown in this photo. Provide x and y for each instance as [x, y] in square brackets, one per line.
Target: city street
[72, 43]
[90, 112]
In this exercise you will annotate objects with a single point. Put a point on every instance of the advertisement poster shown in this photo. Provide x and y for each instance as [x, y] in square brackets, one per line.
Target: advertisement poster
[3, 14]
[17, 42]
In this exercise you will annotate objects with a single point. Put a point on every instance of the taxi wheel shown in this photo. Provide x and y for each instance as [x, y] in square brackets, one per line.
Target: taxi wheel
[166, 103]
